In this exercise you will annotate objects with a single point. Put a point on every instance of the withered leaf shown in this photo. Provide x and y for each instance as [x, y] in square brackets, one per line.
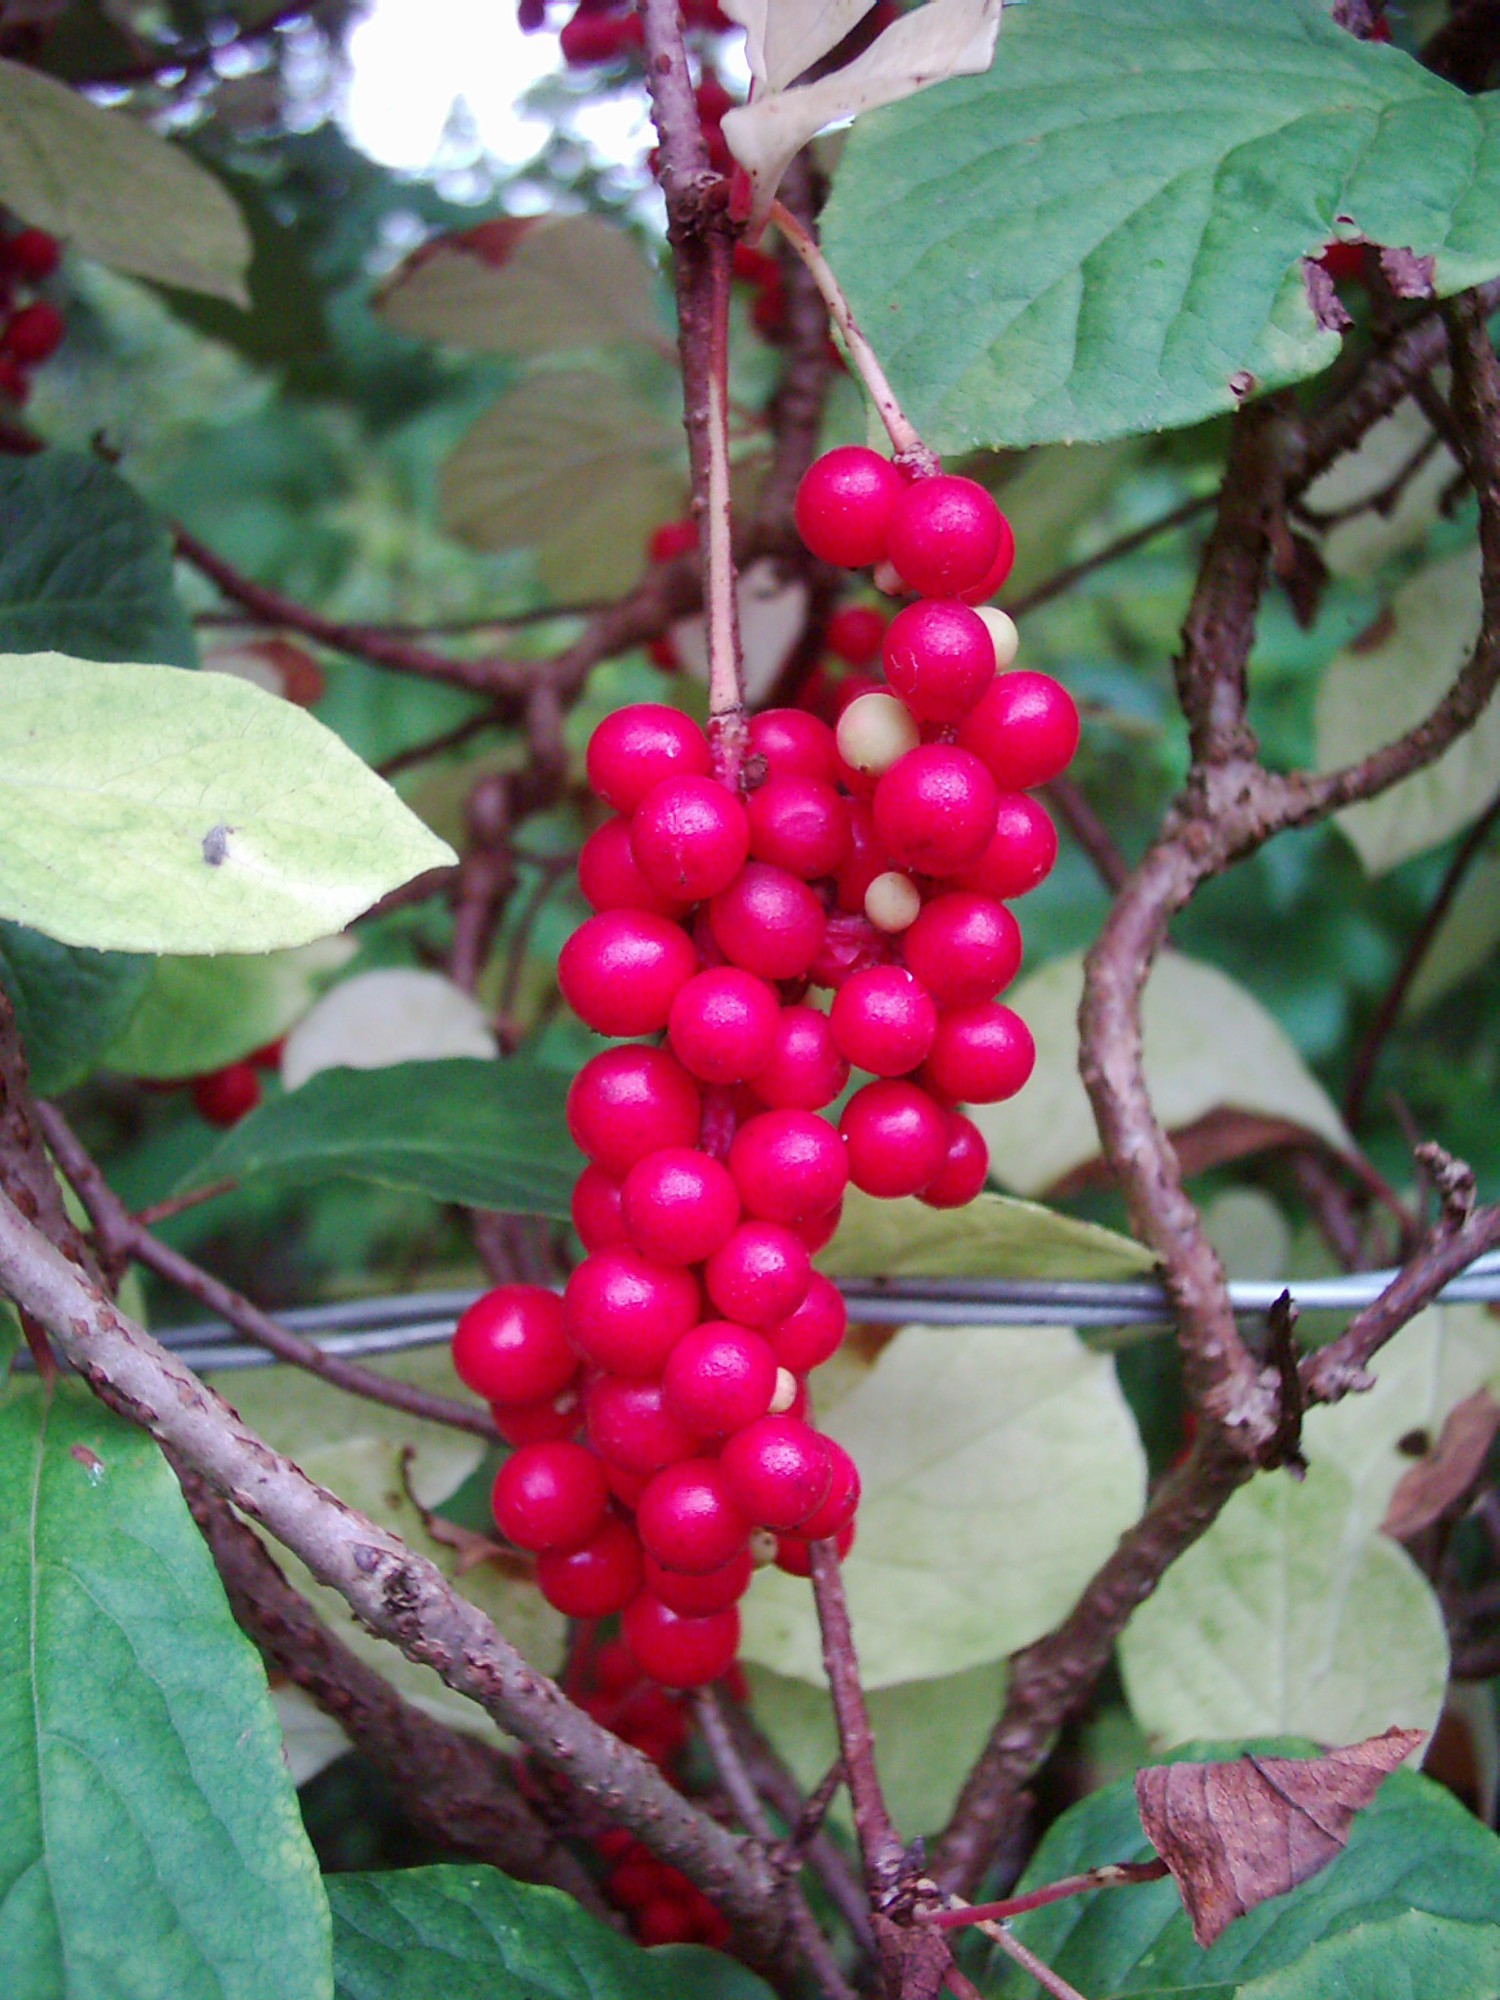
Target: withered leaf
[1236, 1834]
[1445, 1474]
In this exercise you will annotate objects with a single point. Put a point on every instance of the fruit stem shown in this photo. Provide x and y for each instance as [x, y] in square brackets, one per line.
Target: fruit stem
[1113, 1875]
[911, 453]
[726, 685]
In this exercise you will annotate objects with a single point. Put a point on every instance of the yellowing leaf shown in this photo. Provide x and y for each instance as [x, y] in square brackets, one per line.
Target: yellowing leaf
[785, 37]
[392, 1015]
[1371, 536]
[773, 617]
[110, 188]
[995, 1236]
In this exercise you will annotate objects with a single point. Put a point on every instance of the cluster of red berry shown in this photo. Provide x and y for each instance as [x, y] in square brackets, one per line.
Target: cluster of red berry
[30, 328]
[604, 30]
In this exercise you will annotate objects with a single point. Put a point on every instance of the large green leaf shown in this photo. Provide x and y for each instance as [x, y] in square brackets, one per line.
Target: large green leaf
[473, 1934]
[147, 809]
[996, 1236]
[1414, 1849]
[490, 1135]
[1104, 234]
[1410, 1957]
[85, 566]
[201, 1013]
[104, 182]
[1000, 1466]
[69, 1003]
[150, 1847]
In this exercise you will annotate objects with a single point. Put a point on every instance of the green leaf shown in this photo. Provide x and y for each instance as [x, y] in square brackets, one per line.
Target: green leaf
[200, 1013]
[996, 1236]
[473, 1934]
[85, 566]
[1414, 1849]
[1208, 1043]
[1407, 1958]
[1104, 234]
[573, 467]
[151, 1846]
[490, 1135]
[147, 809]
[1464, 941]
[1000, 1466]
[1265, 1625]
[68, 1002]
[109, 187]
[1372, 692]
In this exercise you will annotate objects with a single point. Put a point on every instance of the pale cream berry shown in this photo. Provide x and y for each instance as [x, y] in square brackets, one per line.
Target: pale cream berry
[1003, 631]
[874, 731]
[762, 1548]
[893, 901]
[785, 1393]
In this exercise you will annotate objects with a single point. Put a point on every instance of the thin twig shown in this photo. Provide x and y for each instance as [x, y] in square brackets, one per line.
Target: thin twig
[1064, 579]
[879, 1843]
[181, 1204]
[1113, 1875]
[1049, 1981]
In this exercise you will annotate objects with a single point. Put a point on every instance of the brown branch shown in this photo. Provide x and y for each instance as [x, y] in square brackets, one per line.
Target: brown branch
[1049, 1981]
[1063, 580]
[1067, 800]
[879, 1843]
[1113, 1875]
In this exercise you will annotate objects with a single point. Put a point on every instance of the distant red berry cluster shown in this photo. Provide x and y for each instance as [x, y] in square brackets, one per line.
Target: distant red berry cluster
[31, 328]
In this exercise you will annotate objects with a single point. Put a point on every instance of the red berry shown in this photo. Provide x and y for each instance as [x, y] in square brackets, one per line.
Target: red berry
[940, 658]
[754, 267]
[821, 1229]
[998, 571]
[550, 1496]
[690, 837]
[760, 1275]
[934, 810]
[665, 1920]
[944, 535]
[867, 859]
[673, 538]
[679, 1205]
[963, 947]
[713, 99]
[1344, 262]
[768, 922]
[896, 1136]
[609, 879]
[625, 1103]
[800, 824]
[768, 310]
[794, 744]
[541, 1422]
[625, 1315]
[779, 1472]
[680, 1652]
[723, 1024]
[621, 971]
[635, 748]
[1020, 853]
[1024, 731]
[718, 1378]
[509, 1347]
[883, 1020]
[31, 254]
[811, 1334]
[630, 1427]
[688, 1518]
[854, 634]
[593, 38]
[964, 1170]
[595, 1209]
[788, 1165]
[981, 1056]
[225, 1096]
[804, 1070]
[793, 1556]
[697, 1596]
[838, 1508]
[34, 333]
[845, 504]
[596, 1580]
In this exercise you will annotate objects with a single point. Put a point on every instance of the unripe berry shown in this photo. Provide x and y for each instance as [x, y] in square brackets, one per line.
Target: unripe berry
[634, 749]
[935, 810]
[875, 730]
[722, 1025]
[625, 1315]
[804, 1070]
[594, 1581]
[893, 902]
[768, 922]
[779, 1471]
[855, 633]
[595, 1209]
[1003, 634]
[812, 1334]
[625, 1103]
[510, 1347]
[982, 1055]
[629, 1426]
[883, 1020]
[621, 971]
[680, 1652]
[939, 658]
[794, 744]
[896, 1136]
[964, 1170]
[690, 837]
[789, 1166]
[788, 1395]
[609, 879]
[944, 536]
[688, 1518]
[1019, 855]
[845, 503]
[698, 1596]
[964, 948]
[760, 1275]
[1025, 730]
[718, 1378]
[800, 824]
[550, 1496]
[679, 1205]
[842, 1500]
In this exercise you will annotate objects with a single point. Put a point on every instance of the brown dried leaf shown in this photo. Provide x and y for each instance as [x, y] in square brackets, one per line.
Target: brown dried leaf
[1448, 1470]
[1236, 1834]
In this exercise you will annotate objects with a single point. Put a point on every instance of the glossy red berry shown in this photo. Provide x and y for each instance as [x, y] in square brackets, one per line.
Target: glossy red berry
[982, 1055]
[934, 810]
[789, 1166]
[779, 1472]
[944, 535]
[855, 633]
[718, 1378]
[596, 1580]
[940, 658]
[793, 1552]
[698, 1596]
[883, 1020]
[539, 1423]
[805, 1069]
[625, 1103]
[679, 1205]
[625, 1315]
[842, 1499]
[550, 1496]
[811, 1334]
[794, 744]
[680, 1652]
[1020, 853]
[867, 859]
[225, 1096]
[768, 922]
[34, 333]
[819, 1230]
[595, 1209]
[896, 1136]
[629, 1426]
[690, 837]
[609, 879]
[723, 1024]
[621, 971]
[965, 1167]
[800, 824]
[1025, 730]
[688, 1518]
[963, 947]
[634, 749]
[510, 1347]
[998, 571]
[845, 503]
[760, 1275]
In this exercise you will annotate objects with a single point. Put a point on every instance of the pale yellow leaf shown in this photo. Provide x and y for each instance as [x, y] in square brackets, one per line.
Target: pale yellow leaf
[785, 37]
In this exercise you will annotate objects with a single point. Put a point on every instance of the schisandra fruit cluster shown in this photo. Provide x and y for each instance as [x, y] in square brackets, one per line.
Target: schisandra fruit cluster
[659, 1408]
